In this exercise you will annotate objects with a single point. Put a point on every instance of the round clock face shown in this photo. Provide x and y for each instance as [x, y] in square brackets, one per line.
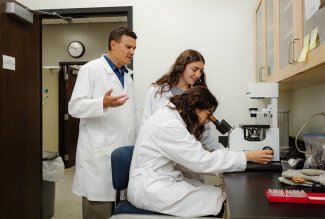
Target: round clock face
[76, 49]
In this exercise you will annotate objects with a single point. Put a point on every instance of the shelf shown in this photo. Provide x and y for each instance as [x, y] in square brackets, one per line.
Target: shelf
[308, 79]
[305, 74]
[51, 67]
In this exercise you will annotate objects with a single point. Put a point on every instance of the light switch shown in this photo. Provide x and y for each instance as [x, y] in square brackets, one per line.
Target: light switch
[9, 62]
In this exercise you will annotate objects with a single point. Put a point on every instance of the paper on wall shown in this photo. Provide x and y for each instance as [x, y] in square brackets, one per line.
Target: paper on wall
[305, 50]
[314, 39]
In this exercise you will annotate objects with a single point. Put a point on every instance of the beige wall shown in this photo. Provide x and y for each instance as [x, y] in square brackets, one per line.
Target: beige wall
[50, 110]
[55, 39]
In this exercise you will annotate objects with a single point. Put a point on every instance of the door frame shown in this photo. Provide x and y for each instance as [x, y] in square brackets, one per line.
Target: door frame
[63, 149]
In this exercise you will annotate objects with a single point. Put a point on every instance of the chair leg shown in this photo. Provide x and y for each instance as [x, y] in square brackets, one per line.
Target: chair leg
[113, 208]
[117, 197]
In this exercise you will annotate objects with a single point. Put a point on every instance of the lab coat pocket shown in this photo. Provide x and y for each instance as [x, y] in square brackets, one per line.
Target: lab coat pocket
[104, 146]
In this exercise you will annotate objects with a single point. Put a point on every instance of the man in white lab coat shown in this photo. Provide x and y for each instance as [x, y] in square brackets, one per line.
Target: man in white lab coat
[103, 99]
[170, 137]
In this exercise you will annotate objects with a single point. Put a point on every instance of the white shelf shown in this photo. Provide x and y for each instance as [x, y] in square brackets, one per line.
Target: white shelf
[51, 67]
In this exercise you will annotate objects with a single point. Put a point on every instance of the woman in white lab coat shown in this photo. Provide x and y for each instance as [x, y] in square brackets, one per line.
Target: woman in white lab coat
[186, 72]
[170, 137]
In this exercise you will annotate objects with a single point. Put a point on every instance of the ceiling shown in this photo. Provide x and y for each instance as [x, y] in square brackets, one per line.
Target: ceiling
[86, 20]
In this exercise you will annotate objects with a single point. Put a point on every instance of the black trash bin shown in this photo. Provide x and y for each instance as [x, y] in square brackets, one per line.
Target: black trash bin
[48, 189]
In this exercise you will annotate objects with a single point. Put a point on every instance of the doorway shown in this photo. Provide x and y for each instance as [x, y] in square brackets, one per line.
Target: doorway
[68, 126]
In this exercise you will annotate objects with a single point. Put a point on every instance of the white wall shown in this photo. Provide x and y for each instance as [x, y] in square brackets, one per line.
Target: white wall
[305, 103]
[222, 30]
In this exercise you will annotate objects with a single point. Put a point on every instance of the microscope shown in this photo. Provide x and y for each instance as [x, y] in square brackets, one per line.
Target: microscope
[254, 137]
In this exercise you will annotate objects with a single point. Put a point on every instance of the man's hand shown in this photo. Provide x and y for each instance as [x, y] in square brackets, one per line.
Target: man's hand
[111, 101]
[259, 156]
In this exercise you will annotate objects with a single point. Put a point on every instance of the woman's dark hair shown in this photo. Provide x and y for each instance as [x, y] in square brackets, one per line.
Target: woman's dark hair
[198, 97]
[117, 33]
[171, 78]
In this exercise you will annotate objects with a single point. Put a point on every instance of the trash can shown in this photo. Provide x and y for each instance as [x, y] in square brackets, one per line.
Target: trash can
[53, 170]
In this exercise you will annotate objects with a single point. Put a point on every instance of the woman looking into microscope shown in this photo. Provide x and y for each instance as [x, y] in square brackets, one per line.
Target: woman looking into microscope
[170, 137]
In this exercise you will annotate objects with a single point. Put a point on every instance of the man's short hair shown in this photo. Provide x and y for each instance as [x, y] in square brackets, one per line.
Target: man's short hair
[118, 32]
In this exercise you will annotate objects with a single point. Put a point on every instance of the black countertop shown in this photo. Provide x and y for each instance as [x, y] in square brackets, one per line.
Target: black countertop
[247, 200]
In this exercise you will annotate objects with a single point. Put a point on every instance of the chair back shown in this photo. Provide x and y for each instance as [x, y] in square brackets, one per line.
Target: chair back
[121, 160]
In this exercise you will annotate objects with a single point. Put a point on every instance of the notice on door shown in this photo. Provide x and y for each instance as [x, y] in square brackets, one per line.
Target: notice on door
[8, 62]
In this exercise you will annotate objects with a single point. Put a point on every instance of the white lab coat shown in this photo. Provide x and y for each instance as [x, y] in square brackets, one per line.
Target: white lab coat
[100, 130]
[156, 185]
[154, 101]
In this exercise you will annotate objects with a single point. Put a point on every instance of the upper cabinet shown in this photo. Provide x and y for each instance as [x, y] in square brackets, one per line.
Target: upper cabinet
[260, 38]
[265, 48]
[280, 29]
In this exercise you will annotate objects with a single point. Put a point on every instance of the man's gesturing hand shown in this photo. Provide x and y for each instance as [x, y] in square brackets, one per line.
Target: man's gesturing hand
[114, 101]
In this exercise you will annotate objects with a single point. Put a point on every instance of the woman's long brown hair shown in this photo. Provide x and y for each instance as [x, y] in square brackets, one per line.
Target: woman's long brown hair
[171, 78]
[198, 97]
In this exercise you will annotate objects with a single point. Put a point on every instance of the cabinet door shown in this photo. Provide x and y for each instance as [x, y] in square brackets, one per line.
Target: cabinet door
[280, 28]
[260, 62]
[270, 52]
[316, 20]
[290, 31]
[265, 49]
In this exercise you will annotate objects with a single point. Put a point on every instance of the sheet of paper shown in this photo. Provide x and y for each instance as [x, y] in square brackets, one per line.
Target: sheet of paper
[311, 7]
[314, 39]
[8, 62]
[305, 50]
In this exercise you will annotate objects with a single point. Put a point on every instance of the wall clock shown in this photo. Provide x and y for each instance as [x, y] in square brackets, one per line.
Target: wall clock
[76, 49]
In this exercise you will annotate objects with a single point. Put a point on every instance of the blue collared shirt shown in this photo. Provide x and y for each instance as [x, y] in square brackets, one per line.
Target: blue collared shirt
[118, 72]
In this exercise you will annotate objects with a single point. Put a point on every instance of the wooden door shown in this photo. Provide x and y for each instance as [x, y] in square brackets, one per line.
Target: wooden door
[69, 126]
[20, 118]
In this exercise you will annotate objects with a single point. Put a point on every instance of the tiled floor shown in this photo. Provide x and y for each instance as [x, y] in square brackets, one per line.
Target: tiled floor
[67, 204]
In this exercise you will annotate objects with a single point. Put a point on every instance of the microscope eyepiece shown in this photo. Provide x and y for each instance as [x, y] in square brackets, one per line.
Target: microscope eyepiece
[223, 127]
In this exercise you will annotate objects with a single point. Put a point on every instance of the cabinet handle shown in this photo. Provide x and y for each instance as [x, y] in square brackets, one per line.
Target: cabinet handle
[268, 70]
[293, 50]
[289, 53]
[260, 73]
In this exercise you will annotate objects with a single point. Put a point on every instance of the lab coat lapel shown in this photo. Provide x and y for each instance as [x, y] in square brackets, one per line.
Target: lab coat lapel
[128, 81]
[109, 70]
